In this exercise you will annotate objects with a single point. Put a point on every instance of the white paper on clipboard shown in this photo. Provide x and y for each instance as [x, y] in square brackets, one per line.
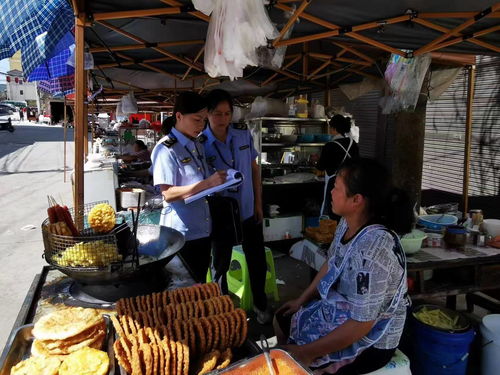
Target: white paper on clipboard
[233, 179]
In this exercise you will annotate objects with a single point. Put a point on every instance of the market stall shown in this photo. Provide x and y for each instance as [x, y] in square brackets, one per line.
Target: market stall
[332, 44]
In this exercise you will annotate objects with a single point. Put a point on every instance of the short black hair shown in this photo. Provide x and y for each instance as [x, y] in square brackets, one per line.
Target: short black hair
[141, 144]
[189, 102]
[217, 96]
[167, 125]
[387, 204]
[341, 124]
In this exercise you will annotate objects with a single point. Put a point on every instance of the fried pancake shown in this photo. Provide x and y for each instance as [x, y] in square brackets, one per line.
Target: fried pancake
[37, 365]
[121, 356]
[85, 361]
[85, 335]
[147, 357]
[62, 324]
[180, 356]
[208, 362]
[225, 359]
[95, 341]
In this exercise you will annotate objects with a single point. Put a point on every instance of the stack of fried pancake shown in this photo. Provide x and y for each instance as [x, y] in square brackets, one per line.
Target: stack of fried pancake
[66, 343]
[66, 331]
[180, 332]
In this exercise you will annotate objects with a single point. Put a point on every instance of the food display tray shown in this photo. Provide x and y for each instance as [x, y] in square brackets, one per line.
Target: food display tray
[251, 364]
[19, 347]
[244, 352]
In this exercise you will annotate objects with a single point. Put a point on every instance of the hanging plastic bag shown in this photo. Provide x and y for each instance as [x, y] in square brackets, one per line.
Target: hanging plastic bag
[129, 104]
[354, 133]
[273, 57]
[88, 63]
[237, 28]
[404, 77]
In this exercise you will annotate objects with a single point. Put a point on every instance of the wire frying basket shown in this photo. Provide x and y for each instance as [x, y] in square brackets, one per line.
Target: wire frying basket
[90, 251]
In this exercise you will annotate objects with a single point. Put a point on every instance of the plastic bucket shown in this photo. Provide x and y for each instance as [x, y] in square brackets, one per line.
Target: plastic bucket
[438, 352]
[490, 331]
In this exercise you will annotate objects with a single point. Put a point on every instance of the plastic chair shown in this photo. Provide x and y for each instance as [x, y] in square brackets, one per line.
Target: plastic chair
[238, 279]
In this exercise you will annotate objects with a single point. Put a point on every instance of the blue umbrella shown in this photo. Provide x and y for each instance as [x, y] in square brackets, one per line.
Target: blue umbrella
[56, 65]
[59, 86]
[34, 27]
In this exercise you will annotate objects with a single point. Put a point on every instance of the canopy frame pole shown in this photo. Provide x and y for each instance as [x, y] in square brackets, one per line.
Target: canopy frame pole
[478, 42]
[128, 47]
[461, 39]
[319, 69]
[353, 51]
[137, 13]
[198, 55]
[305, 60]
[287, 65]
[152, 45]
[337, 30]
[196, 13]
[79, 119]
[292, 20]
[435, 15]
[471, 21]
[468, 138]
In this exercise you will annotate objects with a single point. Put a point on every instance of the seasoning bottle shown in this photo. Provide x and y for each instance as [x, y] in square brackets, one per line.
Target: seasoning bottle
[302, 107]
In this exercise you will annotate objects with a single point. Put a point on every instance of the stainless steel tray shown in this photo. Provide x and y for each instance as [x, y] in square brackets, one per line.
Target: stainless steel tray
[19, 347]
[246, 363]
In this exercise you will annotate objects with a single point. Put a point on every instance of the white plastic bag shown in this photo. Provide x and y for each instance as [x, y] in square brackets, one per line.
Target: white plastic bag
[129, 104]
[88, 59]
[267, 106]
[237, 28]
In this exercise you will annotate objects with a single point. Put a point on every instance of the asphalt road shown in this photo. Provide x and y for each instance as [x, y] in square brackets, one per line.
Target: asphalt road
[31, 167]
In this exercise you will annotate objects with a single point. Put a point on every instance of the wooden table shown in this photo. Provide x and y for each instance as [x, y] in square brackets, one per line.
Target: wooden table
[455, 272]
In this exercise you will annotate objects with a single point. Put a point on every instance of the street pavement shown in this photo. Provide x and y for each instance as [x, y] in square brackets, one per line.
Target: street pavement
[31, 167]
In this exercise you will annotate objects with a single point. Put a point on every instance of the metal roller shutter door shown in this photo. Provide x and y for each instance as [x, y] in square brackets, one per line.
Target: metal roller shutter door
[445, 134]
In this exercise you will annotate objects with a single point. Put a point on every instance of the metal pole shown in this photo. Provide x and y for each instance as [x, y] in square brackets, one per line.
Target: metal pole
[468, 138]
[80, 119]
[65, 124]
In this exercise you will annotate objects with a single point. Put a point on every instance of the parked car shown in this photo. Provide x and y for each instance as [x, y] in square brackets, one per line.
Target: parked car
[6, 118]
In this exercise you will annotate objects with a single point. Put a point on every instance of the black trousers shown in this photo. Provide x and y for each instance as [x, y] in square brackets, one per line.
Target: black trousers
[253, 247]
[195, 255]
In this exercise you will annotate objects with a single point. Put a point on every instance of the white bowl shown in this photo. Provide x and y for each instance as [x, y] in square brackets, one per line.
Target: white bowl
[492, 227]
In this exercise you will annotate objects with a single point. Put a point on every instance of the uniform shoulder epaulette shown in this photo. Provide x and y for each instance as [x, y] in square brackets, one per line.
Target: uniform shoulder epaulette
[240, 126]
[202, 138]
[170, 141]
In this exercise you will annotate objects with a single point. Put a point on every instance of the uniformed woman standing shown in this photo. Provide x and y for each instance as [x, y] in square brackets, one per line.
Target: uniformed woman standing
[231, 146]
[334, 153]
[180, 170]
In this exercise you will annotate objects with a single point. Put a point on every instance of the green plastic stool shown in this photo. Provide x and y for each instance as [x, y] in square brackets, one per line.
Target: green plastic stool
[238, 280]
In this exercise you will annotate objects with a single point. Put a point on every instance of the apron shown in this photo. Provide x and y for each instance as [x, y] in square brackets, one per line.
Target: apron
[319, 318]
[329, 177]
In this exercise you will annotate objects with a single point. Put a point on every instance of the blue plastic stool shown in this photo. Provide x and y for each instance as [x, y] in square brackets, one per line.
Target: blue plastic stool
[238, 279]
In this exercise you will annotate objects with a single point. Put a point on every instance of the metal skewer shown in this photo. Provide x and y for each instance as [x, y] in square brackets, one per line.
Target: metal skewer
[265, 349]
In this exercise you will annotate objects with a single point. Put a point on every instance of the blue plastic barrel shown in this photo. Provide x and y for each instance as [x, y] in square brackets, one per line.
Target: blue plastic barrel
[437, 352]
